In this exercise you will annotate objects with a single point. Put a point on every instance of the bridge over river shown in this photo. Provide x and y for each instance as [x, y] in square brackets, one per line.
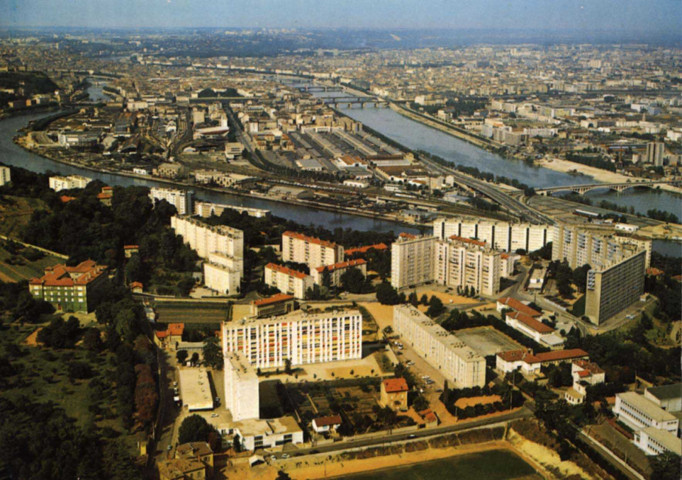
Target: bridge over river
[618, 187]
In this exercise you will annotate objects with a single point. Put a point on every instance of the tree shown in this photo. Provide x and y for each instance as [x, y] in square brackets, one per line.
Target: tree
[353, 281]
[213, 354]
[387, 295]
[181, 355]
[195, 358]
[92, 340]
[287, 366]
[424, 300]
[666, 466]
[194, 428]
[237, 443]
[282, 475]
[436, 307]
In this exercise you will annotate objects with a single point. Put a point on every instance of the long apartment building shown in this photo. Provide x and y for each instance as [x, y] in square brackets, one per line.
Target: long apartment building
[287, 280]
[207, 239]
[301, 337]
[638, 412]
[499, 234]
[58, 183]
[241, 386]
[614, 287]
[221, 247]
[459, 364]
[579, 245]
[312, 251]
[455, 261]
[180, 199]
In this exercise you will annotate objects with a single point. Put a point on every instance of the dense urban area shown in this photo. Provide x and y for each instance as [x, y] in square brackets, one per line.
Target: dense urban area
[245, 254]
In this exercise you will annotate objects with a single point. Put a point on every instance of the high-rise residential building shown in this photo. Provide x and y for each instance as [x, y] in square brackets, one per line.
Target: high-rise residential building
[207, 239]
[312, 251]
[58, 183]
[241, 386]
[455, 261]
[579, 246]
[654, 153]
[614, 287]
[223, 273]
[180, 199]
[468, 263]
[461, 366]
[499, 234]
[5, 176]
[69, 289]
[300, 337]
[287, 280]
[336, 270]
[412, 260]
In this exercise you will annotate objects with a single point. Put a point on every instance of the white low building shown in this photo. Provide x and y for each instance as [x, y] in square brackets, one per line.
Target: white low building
[656, 442]
[255, 434]
[195, 389]
[638, 412]
[531, 364]
[585, 374]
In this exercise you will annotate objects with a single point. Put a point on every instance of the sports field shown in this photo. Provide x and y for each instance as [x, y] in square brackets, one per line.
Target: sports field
[487, 341]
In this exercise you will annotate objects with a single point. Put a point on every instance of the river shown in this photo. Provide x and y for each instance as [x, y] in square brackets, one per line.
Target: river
[12, 154]
[417, 136]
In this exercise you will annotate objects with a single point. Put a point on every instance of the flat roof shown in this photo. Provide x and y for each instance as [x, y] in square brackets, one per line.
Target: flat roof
[666, 392]
[195, 388]
[646, 406]
[294, 316]
[275, 426]
[665, 438]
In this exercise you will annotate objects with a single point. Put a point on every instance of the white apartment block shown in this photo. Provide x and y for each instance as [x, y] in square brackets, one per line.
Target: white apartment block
[5, 176]
[336, 270]
[288, 281]
[455, 261]
[301, 337]
[412, 260]
[499, 234]
[206, 239]
[241, 386]
[638, 413]
[656, 442]
[312, 251]
[223, 274]
[579, 246]
[459, 364]
[180, 199]
[207, 209]
[468, 263]
[58, 183]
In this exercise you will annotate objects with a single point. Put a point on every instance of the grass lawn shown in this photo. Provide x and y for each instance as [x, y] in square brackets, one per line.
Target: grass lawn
[14, 268]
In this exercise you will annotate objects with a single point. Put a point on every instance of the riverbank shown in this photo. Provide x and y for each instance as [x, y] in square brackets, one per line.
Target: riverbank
[187, 185]
[598, 174]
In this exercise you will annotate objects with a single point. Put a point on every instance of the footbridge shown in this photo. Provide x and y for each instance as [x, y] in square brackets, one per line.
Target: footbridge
[618, 187]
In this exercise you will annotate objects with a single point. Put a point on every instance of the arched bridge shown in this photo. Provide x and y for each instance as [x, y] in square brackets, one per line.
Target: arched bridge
[618, 187]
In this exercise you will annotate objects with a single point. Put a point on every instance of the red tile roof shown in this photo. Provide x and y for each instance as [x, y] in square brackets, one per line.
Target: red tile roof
[654, 271]
[130, 247]
[285, 270]
[278, 297]
[328, 421]
[514, 304]
[468, 240]
[514, 355]
[306, 238]
[64, 276]
[66, 198]
[530, 322]
[588, 366]
[341, 265]
[556, 355]
[176, 328]
[407, 235]
[366, 248]
[395, 385]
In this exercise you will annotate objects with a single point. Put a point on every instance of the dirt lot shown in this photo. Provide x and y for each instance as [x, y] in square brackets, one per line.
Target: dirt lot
[487, 341]
[471, 401]
[383, 314]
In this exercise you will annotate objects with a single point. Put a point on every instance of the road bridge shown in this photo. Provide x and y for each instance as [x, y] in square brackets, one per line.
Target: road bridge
[350, 101]
[618, 187]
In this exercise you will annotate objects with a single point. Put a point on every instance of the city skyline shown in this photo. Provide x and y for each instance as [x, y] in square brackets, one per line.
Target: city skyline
[566, 15]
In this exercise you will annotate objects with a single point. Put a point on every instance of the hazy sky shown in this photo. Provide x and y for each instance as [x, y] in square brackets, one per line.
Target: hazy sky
[618, 15]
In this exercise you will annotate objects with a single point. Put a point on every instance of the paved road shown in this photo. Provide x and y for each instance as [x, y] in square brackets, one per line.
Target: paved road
[429, 432]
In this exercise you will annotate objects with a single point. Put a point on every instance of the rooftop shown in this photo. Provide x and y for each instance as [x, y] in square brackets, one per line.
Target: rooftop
[195, 388]
[395, 385]
[530, 322]
[286, 270]
[276, 298]
[665, 439]
[306, 238]
[64, 276]
[468, 240]
[366, 248]
[341, 265]
[646, 406]
[514, 304]
[666, 392]
[327, 421]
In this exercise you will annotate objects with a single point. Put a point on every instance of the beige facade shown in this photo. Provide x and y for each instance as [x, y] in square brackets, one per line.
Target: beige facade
[614, 288]
[180, 199]
[5, 176]
[66, 183]
[241, 386]
[312, 251]
[412, 260]
[466, 263]
[287, 280]
[499, 234]
[457, 362]
[299, 336]
[207, 239]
